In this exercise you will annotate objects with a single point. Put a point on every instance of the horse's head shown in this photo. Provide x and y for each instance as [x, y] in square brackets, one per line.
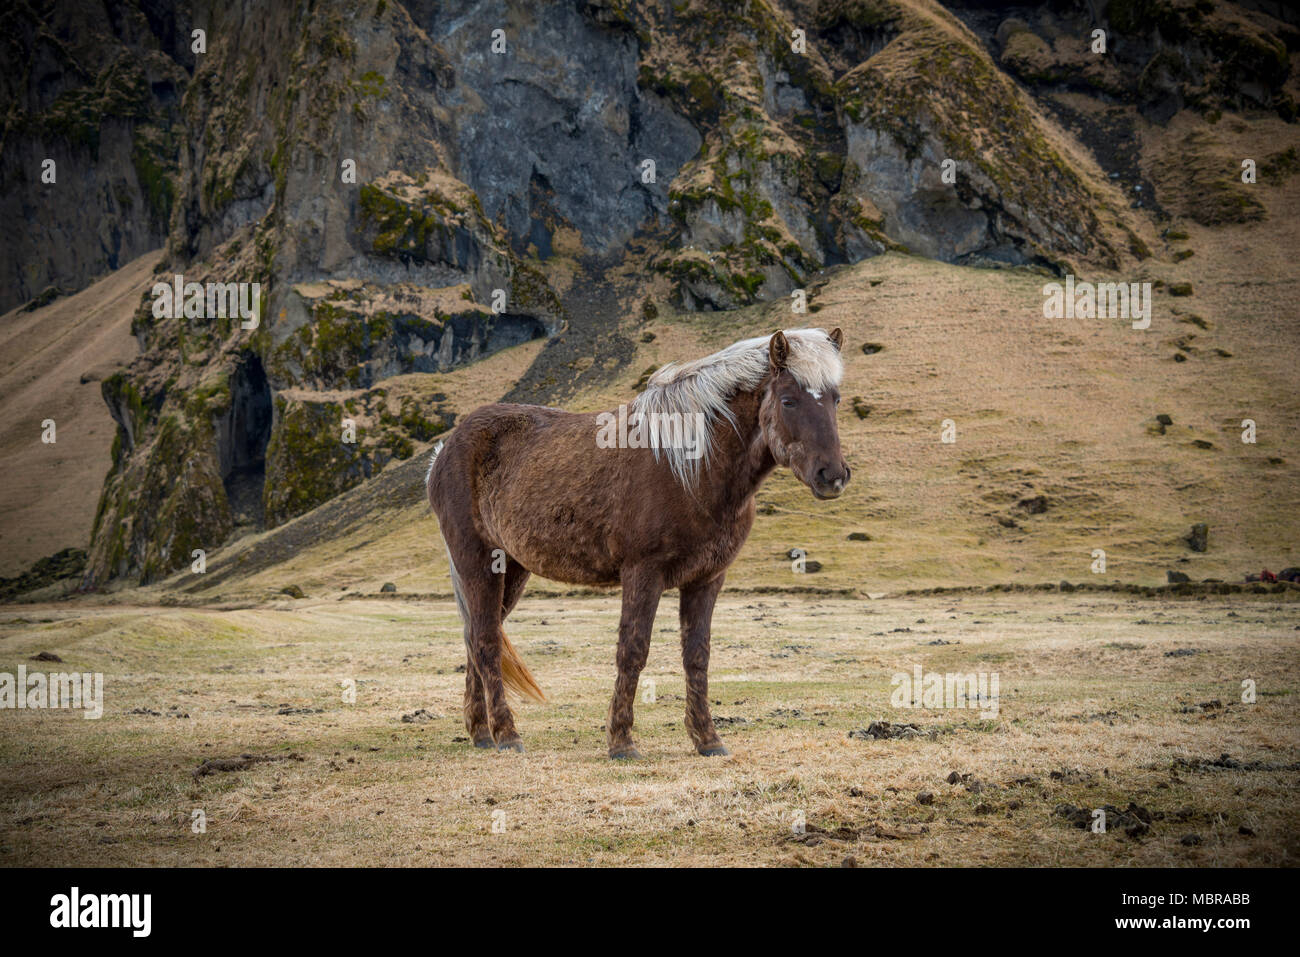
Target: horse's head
[798, 424]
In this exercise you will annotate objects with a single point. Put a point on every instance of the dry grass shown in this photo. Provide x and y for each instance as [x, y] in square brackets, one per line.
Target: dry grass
[1086, 689]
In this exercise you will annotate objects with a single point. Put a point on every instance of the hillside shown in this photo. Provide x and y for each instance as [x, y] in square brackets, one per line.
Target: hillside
[521, 173]
[1057, 408]
[52, 361]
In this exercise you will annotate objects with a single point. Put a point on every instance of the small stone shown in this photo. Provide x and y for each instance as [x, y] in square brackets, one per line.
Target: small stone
[925, 797]
[389, 588]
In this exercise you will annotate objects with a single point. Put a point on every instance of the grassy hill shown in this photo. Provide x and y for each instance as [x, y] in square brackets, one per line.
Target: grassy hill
[1057, 453]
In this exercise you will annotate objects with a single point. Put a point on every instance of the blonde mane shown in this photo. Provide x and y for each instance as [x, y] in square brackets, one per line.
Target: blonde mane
[704, 386]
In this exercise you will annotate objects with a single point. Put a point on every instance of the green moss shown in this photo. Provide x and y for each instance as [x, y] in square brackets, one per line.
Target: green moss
[1281, 165]
[307, 460]
[371, 85]
[155, 176]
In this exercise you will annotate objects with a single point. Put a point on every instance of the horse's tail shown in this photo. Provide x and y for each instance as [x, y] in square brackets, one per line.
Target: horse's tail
[514, 672]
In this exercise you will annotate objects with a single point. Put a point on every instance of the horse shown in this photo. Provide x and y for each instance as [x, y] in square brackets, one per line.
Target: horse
[524, 490]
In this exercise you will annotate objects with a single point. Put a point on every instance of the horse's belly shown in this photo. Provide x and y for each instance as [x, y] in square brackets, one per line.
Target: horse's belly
[555, 543]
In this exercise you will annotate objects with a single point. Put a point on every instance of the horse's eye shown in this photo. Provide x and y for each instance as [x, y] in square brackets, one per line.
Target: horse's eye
[837, 400]
[788, 402]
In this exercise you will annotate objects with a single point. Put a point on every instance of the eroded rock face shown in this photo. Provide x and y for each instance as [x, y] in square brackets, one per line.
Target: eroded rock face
[95, 90]
[1161, 55]
[553, 131]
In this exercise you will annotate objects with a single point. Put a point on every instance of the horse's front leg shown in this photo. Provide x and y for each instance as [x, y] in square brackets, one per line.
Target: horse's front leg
[697, 624]
[642, 588]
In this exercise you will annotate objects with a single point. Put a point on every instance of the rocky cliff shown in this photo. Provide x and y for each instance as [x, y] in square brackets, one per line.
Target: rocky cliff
[415, 185]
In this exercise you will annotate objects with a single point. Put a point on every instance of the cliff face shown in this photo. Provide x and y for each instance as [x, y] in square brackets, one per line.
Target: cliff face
[415, 185]
[95, 88]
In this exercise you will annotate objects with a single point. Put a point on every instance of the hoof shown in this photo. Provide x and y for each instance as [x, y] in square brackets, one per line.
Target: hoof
[514, 745]
[485, 742]
[627, 754]
[714, 750]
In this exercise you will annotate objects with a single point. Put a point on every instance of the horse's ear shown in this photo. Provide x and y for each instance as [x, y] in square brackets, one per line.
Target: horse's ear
[837, 338]
[779, 351]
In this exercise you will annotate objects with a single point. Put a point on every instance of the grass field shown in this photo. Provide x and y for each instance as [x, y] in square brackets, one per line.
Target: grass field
[1092, 710]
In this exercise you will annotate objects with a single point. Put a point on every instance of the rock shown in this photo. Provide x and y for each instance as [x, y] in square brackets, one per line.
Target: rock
[925, 797]
[68, 563]
[1190, 840]
[1009, 28]
[389, 588]
[1164, 419]
[884, 729]
[1180, 289]
[419, 716]
[1066, 586]
[293, 591]
[1034, 505]
[1199, 538]
[44, 656]
[1176, 577]
[858, 537]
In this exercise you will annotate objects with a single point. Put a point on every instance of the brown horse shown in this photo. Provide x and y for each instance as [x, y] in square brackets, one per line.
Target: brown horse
[522, 489]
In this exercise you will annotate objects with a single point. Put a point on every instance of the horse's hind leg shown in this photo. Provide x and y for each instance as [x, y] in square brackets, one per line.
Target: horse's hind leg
[481, 592]
[476, 716]
[476, 712]
[516, 578]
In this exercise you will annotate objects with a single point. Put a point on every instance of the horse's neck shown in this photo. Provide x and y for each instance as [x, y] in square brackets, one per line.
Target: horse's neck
[740, 460]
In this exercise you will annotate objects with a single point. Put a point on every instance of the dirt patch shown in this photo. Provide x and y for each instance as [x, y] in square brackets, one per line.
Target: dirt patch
[241, 763]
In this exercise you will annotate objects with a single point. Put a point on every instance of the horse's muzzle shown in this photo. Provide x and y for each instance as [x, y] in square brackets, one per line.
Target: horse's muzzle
[830, 482]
